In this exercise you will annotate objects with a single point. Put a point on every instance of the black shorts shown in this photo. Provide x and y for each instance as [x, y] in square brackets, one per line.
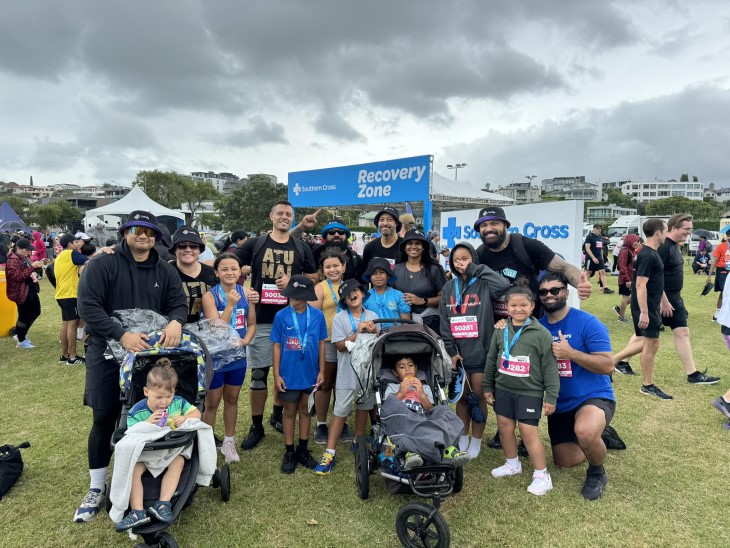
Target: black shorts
[293, 395]
[69, 312]
[561, 426]
[525, 409]
[679, 316]
[593, 267]
[623, 290]
[720, 276]
[102, 378]
[652, 330]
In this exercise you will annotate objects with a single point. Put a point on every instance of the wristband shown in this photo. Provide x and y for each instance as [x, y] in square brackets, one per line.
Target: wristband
[178, 320]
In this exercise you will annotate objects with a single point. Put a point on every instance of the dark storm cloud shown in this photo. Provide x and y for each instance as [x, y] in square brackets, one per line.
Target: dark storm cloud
[332, 124]
[259, 132]
[661, 137]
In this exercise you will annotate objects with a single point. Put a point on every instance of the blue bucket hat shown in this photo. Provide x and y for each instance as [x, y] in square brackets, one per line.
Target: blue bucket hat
[335, 224]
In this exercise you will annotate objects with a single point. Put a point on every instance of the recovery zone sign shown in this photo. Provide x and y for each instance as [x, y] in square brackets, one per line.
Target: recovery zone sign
[375, 183]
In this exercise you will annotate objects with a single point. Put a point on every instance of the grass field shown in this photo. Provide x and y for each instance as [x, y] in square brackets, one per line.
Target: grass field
[666, 489]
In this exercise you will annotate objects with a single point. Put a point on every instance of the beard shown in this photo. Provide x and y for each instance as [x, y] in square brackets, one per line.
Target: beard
[342, 246]
[558, 304]
[498, 243]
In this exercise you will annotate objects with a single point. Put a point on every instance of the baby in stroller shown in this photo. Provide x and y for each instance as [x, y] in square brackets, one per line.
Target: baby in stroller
[417, 429]
[161, 407]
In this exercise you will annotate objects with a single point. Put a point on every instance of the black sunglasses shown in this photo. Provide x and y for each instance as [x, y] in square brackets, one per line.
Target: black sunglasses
[554, 291]
[338, 232]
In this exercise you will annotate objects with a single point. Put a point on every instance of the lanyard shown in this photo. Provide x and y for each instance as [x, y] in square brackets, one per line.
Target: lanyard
[459, 295]
[223, 298]
[352, 320]
[509, 345]
[334, 294]
[302, 341]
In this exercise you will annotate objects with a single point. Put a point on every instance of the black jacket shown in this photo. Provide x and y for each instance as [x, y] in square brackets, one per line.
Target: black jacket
[117, 282]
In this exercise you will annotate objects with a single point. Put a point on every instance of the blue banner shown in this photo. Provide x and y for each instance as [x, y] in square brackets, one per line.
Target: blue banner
[375, 183]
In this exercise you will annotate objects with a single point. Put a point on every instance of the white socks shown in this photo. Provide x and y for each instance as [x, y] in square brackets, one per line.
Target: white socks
[330, 451]
[98, 478]
[227, 439]
[321, 423]
[475, 447]
[464, 443]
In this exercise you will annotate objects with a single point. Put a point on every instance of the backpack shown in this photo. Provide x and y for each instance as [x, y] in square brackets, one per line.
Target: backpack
[11, 466]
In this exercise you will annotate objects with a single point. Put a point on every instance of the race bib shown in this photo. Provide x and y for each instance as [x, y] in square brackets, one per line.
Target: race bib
[515, 366]
[293, 343]
[270, 294]
[464, 327]
[565, 369]
[240, 318]
[599, 245]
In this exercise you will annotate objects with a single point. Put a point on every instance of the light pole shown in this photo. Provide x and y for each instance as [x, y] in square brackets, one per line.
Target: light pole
[456, 167]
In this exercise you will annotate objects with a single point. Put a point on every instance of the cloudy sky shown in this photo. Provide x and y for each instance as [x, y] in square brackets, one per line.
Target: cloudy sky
[96, 91]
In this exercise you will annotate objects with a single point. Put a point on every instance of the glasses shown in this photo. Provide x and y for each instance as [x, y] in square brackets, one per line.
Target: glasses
[187, 246]
[554, 291]
[337, 232]
[140, 230]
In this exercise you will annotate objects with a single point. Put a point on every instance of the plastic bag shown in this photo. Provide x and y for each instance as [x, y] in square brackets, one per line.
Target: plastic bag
[222, 341]
[135, 320]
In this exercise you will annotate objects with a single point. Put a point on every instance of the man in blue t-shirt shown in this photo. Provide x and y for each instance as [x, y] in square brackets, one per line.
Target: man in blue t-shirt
[586, 402]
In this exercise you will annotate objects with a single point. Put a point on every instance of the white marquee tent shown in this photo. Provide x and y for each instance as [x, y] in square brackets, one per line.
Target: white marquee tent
[114, 214]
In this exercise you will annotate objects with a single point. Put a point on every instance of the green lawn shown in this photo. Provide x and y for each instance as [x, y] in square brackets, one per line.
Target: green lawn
[666, 489]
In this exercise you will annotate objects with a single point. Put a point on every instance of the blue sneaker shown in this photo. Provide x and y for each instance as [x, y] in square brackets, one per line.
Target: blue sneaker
[162, 510]
[325, 465]
[346, 433]
[134, 518]
[90, 506]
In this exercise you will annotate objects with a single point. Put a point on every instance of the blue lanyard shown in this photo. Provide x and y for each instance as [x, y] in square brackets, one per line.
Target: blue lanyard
[459, 295]
[352, 320]
[302, 341]
[224, 299]
[334, 294]
[509, 345]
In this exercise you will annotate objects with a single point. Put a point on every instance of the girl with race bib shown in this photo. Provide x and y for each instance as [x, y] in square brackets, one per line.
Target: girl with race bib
[228, 301]
[521, 368]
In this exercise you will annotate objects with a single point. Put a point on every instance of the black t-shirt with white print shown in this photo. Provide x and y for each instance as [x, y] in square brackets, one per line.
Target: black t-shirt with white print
[195, 288]
[374, 248]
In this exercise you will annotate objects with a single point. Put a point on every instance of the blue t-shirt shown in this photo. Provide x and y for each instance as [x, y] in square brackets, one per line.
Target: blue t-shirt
[239, 318]
[388, 305]
[586, 334]
[299, 371]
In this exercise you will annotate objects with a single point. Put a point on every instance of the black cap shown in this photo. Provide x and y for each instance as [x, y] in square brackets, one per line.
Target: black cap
[412, 235]
[141, 218]
[300, 287]
[393, 212]
[491, 213]
[67, 239]
[189, 235]
[347, 287]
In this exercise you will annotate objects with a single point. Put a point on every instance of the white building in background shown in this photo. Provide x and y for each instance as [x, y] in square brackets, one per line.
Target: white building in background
[521, 193]
[655, 190]
[607, 213]
[572, 188]
[222, 182]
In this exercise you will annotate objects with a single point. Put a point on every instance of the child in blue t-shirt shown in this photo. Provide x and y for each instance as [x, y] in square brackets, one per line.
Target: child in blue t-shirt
[298, 333]
[162, 407]
[385, 301]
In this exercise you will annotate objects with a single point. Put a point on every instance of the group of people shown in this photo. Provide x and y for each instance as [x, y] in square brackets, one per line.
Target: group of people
[502, 311]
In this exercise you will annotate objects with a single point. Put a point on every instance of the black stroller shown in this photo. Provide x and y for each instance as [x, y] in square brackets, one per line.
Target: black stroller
[417, 524]
[192, 363]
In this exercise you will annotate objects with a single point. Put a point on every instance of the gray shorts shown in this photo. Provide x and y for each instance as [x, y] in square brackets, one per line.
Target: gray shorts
[330, 352]
[343, 402]
[260, 351]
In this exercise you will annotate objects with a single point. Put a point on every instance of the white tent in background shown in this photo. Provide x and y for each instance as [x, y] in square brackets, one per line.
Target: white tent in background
[114, 214]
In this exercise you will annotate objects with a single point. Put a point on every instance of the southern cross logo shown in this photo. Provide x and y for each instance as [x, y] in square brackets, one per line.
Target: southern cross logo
[297, 189]
[451, 232]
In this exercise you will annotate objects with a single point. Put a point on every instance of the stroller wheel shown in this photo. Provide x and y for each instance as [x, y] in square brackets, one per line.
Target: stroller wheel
[362, 468]
[163, 539]
[215, 481]
[458, 479]
[420, 525]
[225, 480]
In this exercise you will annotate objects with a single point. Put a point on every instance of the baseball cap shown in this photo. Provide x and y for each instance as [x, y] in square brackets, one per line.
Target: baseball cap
[82, 236]
[67, 239]
[491, 213]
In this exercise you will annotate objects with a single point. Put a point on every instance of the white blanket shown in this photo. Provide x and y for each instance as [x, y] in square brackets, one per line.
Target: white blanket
[129, 451]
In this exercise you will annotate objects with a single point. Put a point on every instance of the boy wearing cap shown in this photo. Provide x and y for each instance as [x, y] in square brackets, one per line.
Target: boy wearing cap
[351, 320]
[384, 300]
[387, 220]
[298, 334]
[66, 271]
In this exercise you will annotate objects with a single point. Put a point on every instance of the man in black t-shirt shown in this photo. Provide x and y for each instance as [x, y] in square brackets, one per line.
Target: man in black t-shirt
[674, 313]
[388, 245]
[595, 262]
[647, 289]
[273, 259]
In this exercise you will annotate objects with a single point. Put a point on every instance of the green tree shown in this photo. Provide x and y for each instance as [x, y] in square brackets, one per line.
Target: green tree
[684, 178]
[59, 213]
[615, 196]
[211, 220]
[166, 188]
[695, 179]
[248, 207]
[679, 204]
[197, 191]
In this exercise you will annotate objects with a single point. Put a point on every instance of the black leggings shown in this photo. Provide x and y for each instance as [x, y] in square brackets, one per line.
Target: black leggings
[100, 437]
[28, 312]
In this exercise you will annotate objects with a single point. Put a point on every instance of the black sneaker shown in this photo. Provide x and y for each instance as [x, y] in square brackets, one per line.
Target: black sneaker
[608, 291]
[494, 443]
[722, 406]
[617, 310]
[594, 486]
[346, 434]
[320, 434]
[624, 368]
[654, 390]
[522, 450]
[63, 360]
[700, 378]
[78, 360]
[305, 459]
[289, 464]
[218, 441]
[255, 435]
[275, 423]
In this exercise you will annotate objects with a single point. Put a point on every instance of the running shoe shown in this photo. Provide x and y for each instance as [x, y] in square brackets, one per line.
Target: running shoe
[63, 360]
[617, 310]
[494, 443]
[624, 368]
[700, 378]
[275, 423]
[320, 434]
[90, 506]
[722, 406]
[623, 320]
[456, 456]
[134, 518]
[507, 470]
[255, 435]
[606, 291]
[162, 510]
[325, 465]
[78, 360]
[304, 457]
[346, 434]
[541, 484]
[522, 450]
[413, 460]
[289, 464]
[594, 486]
[228, 450]
[654, 390]
[25, 344]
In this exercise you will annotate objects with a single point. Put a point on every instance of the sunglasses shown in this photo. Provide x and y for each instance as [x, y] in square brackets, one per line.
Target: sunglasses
[140, 230]
[554, 291]
[337, 232]
[187, 246]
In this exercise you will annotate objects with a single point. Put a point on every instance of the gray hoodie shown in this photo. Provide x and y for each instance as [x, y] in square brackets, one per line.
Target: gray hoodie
[476, 300]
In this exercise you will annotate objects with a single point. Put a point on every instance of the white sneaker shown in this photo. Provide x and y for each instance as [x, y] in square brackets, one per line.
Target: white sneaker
[541, 484]
[25, 344]
[90, 506]
[507, 470]
[228, 450]
[475, 447]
